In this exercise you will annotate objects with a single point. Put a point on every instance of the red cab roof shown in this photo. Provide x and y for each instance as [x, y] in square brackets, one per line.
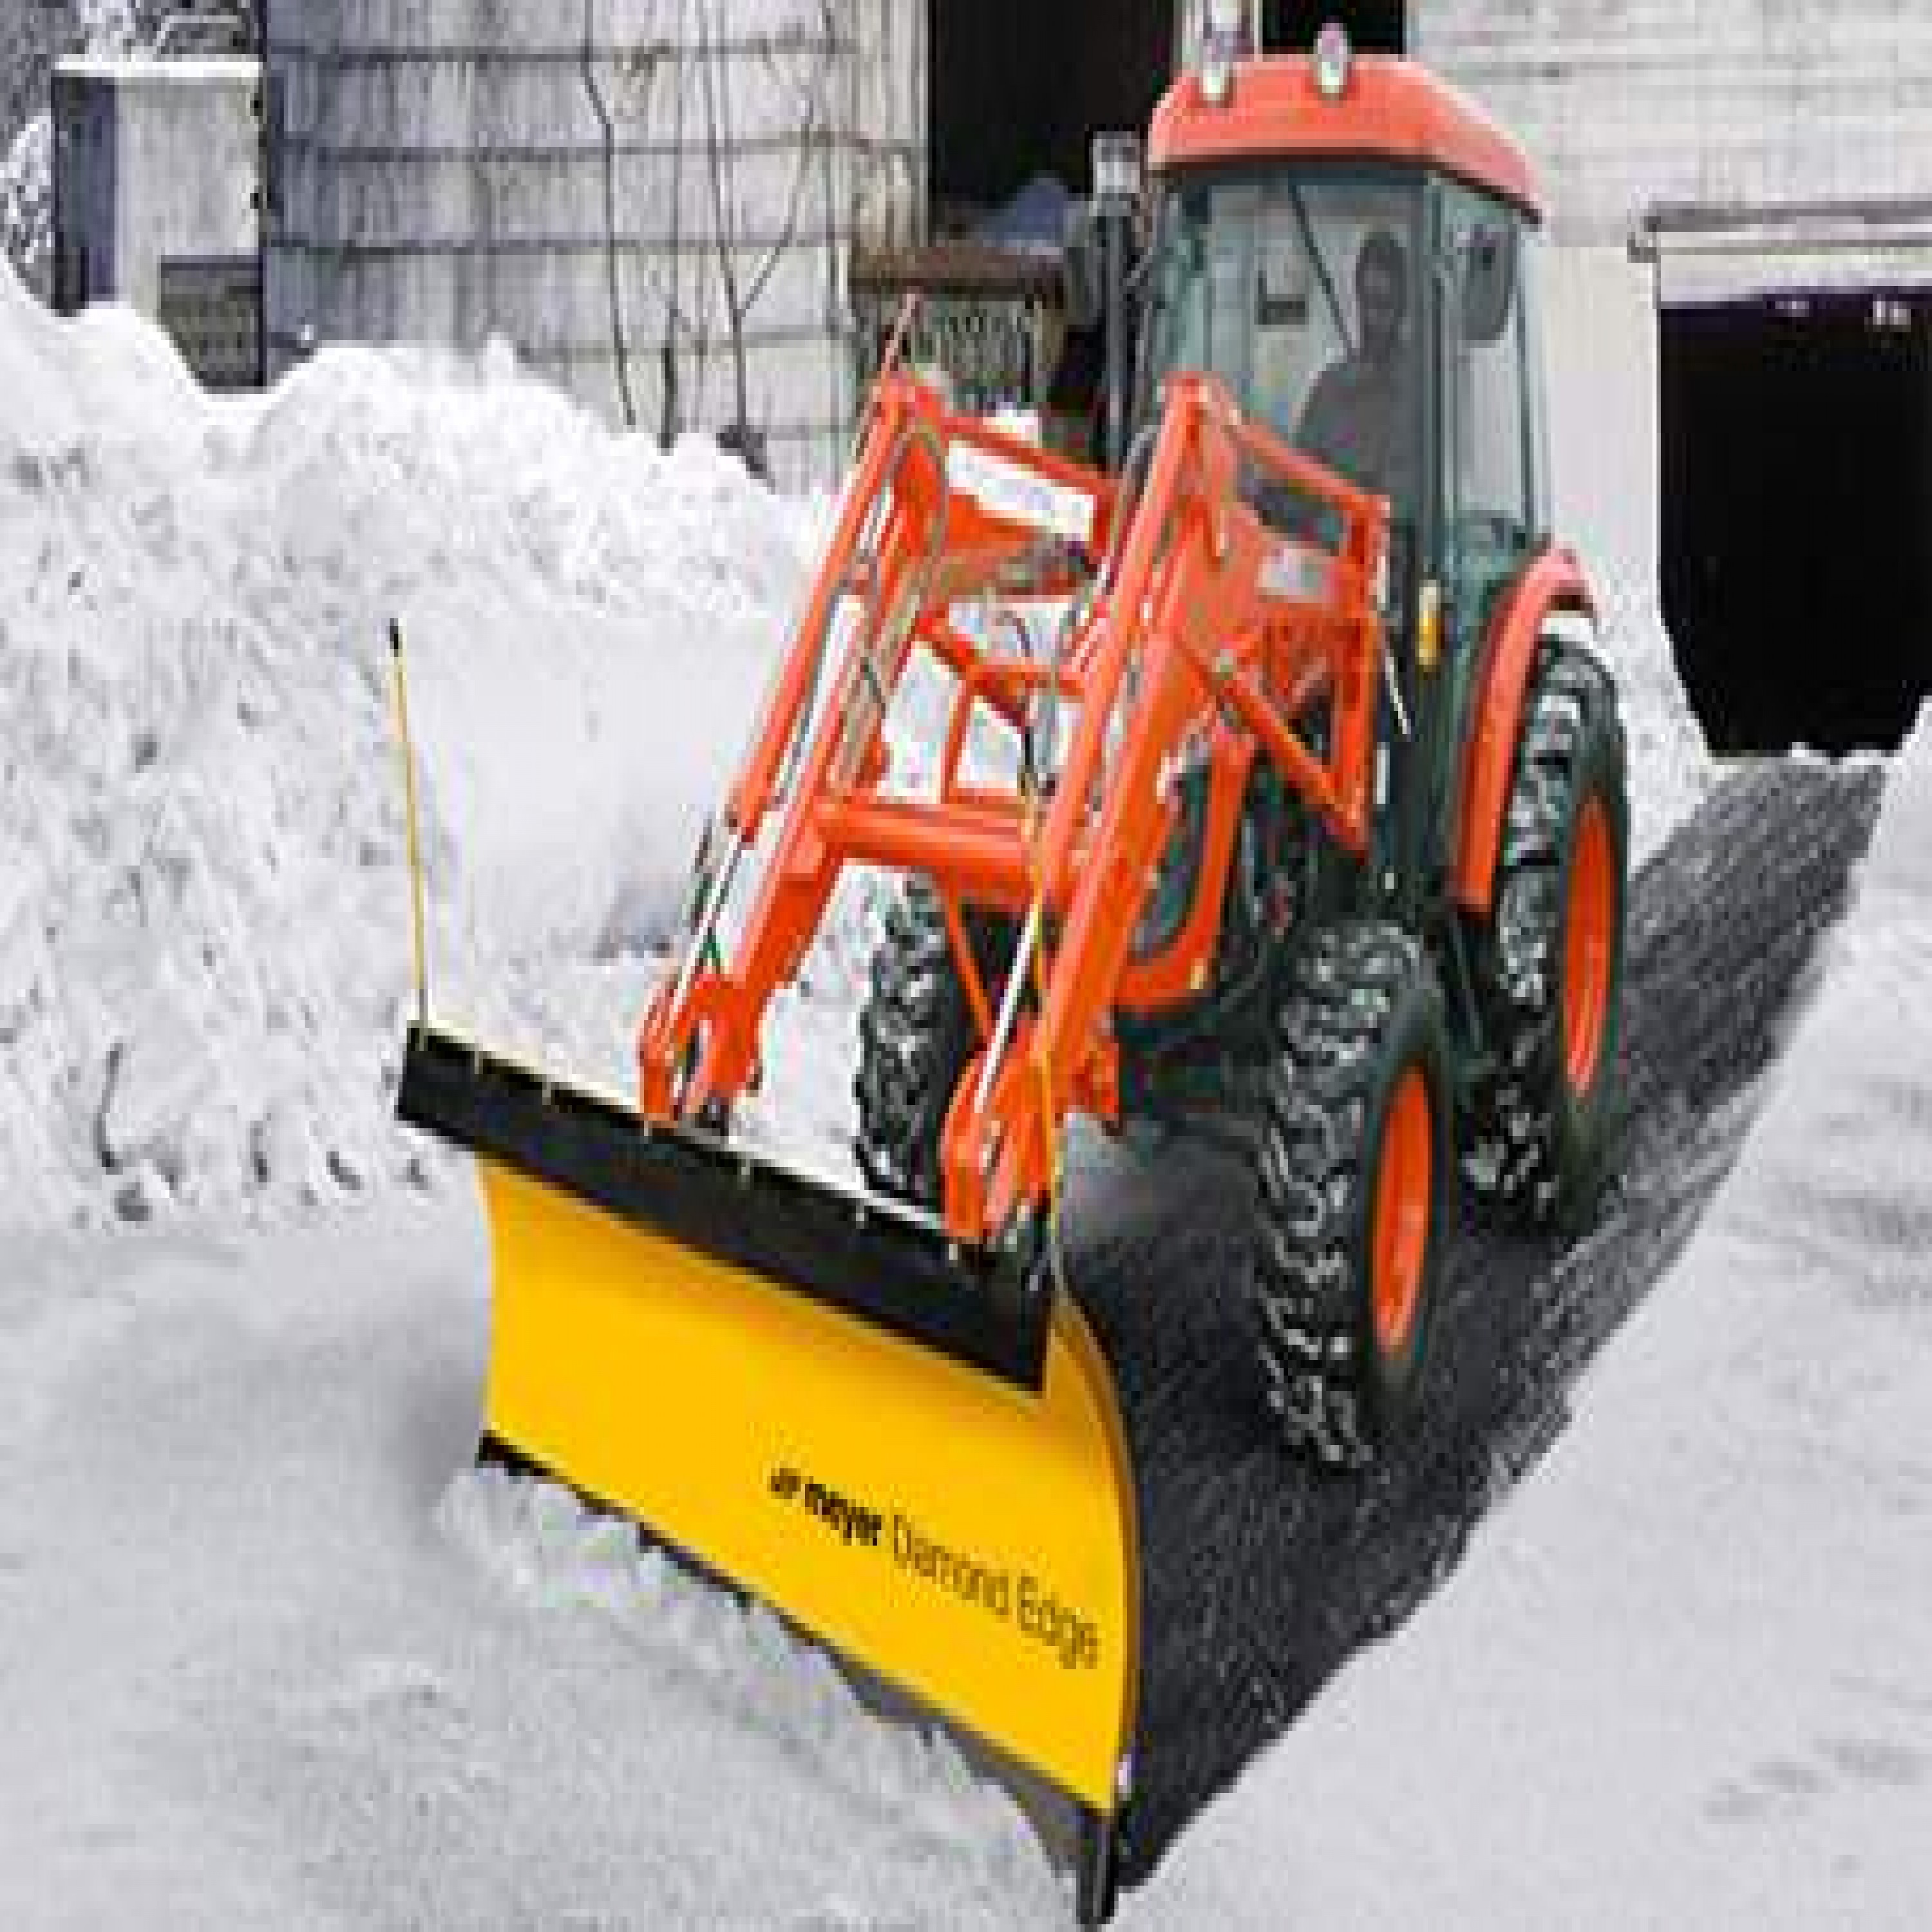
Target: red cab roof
[1390, 107]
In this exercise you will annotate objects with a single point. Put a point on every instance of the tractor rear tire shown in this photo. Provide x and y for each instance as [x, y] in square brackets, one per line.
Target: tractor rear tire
[915, 1035]
[1354, 1189]
[1549, 962]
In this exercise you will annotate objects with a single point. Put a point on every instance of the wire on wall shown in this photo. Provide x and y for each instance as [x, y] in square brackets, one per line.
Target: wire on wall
[619, 349]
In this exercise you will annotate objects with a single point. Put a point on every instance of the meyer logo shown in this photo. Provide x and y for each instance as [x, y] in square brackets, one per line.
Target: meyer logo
[1013, 1597]
[852, 1521]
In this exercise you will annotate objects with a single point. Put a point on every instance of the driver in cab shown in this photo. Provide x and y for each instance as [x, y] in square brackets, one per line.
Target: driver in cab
[1357, 414]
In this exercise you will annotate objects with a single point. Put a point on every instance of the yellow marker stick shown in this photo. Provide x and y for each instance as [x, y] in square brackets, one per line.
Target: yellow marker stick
[417, 919]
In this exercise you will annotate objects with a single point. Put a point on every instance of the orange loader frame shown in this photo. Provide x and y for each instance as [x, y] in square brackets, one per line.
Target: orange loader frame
[1193, 630]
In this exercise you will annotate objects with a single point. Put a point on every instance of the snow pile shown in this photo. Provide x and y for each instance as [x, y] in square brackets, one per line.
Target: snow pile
[1685, 1674]
[27, 201]
[1669, 761]
[204, 915]
[116, 27]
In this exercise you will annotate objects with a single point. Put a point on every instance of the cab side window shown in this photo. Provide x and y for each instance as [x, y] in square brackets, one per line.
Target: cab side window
[1493, 515]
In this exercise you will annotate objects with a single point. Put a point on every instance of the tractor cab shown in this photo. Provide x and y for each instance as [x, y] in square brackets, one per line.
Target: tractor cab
[1296, 286]
[1352, 249]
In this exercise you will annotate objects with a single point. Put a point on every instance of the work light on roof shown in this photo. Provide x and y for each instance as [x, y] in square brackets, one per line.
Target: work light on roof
[1223, 33]
[1334, 59]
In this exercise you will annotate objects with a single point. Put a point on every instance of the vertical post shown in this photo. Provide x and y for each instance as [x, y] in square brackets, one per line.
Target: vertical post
[1117, 173]
[1113, 248]
[418, 922]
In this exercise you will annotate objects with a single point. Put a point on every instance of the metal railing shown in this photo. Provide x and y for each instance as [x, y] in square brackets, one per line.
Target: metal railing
[989, 318]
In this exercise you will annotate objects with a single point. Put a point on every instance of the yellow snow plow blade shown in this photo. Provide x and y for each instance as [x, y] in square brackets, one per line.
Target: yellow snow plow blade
[880, 1473]
[960, 1536]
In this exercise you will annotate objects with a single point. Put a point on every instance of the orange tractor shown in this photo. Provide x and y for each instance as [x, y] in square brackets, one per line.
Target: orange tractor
[1278, 779]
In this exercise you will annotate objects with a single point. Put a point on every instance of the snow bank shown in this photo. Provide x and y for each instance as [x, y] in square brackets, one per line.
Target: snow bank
[204, 913]
[1684, 1675]
[27, 201]
[114, 27]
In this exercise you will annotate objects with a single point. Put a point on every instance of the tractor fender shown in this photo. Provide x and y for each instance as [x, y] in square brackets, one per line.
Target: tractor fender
[1552, 582]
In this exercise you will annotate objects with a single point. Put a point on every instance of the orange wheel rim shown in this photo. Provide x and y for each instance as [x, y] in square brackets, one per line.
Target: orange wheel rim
[1404, 1199]
[1590, 932]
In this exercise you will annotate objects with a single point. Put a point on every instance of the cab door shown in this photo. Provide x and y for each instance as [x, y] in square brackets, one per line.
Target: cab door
[1492, 468]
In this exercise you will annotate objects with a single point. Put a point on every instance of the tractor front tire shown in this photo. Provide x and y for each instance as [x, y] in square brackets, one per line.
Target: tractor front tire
[1354, 1189]
[1549, 962]
[915, 1034]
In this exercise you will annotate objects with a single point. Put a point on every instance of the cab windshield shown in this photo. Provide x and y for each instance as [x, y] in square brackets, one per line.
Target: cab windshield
[1303, 293]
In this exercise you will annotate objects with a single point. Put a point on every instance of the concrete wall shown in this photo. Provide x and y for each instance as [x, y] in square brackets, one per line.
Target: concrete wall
[1600, 346]
[444, 177]
[1624, 104]
[886, 127]
[1784, 139]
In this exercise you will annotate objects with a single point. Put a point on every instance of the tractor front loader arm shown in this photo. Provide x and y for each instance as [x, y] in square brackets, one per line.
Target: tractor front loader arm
[1201, 622]
[937, 508]
[1209, 623]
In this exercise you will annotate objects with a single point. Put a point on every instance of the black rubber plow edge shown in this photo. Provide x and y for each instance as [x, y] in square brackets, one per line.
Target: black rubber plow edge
[984, 1306]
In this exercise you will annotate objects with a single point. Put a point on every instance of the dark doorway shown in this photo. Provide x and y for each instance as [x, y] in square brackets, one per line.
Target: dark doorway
[1797, 517]
[1018, 89]
[1374, 26]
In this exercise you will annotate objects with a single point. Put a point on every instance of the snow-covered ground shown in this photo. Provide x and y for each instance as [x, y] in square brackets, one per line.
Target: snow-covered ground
[1684, 1675]
[263, 1661]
